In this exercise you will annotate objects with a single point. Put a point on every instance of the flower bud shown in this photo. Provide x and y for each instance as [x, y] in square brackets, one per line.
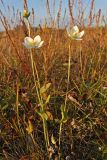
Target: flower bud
[26, 14]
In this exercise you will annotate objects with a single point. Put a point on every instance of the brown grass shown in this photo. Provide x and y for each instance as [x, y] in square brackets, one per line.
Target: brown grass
[85, 130]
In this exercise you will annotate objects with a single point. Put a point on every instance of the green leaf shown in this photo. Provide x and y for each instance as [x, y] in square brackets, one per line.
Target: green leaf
[53, 139]
[49, 115]
[43, 115]
[45, 88]
[62, 111]
[30, 127]
[47, 100]
[64, 114]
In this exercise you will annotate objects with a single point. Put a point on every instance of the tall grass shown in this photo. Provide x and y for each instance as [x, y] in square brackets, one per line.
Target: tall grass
[53, 100]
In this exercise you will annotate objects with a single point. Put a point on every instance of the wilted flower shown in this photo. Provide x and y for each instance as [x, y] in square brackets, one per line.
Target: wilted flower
[30, 43]
[75, 34]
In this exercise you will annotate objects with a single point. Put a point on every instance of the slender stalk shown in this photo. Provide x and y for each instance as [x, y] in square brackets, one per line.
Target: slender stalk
[61, 124]
[34, 142]
[32, 63]
[81, 60]
[45, 134]
[60, 130]
[34, 68]
[17, 102]
[37, 85]
[29, 32]
[37, 74]
[69, 66]
[40, 101]
[38, 81]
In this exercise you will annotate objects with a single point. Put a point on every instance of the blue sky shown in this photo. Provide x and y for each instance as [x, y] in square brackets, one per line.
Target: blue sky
[40, 7]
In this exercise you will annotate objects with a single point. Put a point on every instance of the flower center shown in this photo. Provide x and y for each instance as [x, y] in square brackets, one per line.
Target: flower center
[75, 35]
[32, 43]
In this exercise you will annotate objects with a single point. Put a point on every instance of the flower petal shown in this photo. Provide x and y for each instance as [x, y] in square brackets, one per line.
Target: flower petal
[28, 40]
[77, 39]
[80, 35]
[37, 40]
[74, 30]
[29, 43]
[28, 46]
[40, 44]
[68, 32]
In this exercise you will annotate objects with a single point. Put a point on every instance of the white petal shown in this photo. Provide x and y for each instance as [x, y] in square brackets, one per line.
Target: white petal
[74, 30]
[37, 39]
[28, 40]
[78, 39]
[40, 44]
[80, 35]
[28, 46]
[68, 32]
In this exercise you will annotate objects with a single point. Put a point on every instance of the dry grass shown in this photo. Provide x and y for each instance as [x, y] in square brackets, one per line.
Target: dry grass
[84, 134]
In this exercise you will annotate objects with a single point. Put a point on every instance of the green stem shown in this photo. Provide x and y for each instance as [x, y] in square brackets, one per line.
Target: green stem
[60, 130]
[61, 124]
[81, 59]
[17, 102]
[40, 101]
[32, 63]
[37, 85]
[46, 134]
[29, 32]
[69, 66]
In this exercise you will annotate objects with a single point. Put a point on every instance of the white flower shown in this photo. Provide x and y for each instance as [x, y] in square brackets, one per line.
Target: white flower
[30, 43]
[99, 148]
[75, 34]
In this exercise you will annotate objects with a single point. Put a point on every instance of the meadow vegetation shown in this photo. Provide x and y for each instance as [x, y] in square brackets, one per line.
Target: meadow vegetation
[53, 99]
